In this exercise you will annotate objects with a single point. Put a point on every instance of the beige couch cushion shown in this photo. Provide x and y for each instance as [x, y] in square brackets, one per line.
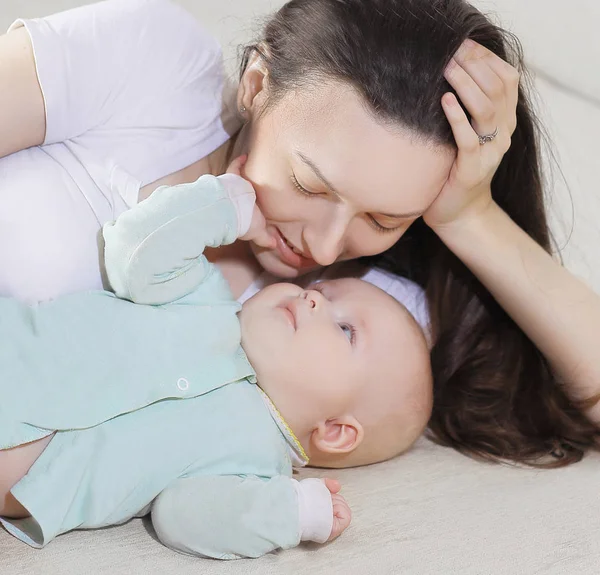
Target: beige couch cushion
[560, 38]
[430, 512]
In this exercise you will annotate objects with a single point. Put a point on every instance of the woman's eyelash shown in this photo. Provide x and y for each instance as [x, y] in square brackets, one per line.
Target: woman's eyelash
[302, 190]
[374, 223]
[379, 228]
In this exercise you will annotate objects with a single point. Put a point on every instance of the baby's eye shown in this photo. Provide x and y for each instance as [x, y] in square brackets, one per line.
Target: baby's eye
[348, 330]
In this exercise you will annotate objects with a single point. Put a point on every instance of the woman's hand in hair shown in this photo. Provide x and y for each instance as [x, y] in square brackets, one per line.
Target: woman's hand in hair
[488, 87]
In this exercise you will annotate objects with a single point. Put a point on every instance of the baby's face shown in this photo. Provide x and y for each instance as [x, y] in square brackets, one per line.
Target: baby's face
[339, 347]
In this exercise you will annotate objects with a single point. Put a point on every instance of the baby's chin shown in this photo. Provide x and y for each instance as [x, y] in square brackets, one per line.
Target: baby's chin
[269, 261]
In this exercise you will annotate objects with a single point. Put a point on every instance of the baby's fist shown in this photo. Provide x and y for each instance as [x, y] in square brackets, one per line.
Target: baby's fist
[341, 510]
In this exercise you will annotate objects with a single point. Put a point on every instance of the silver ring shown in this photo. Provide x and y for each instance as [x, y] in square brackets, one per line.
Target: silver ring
[488, 137]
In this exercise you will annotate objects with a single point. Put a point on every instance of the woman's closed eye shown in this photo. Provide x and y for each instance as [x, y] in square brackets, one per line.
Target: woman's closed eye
[372, 220]
[380, 228]
[302, 189]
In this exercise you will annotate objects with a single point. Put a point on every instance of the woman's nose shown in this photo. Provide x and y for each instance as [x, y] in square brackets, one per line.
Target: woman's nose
[326, 242]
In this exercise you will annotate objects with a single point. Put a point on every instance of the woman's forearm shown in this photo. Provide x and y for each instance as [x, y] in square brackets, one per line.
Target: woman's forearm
[559, 313]
[22, 116]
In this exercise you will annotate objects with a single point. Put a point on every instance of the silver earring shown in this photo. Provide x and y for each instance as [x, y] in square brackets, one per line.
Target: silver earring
[243, 110]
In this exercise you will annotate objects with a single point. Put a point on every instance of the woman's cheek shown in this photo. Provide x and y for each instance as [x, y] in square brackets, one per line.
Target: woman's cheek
[366, 241]
[275, 203]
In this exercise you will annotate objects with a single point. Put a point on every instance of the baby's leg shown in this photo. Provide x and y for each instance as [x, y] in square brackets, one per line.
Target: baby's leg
[14, 465]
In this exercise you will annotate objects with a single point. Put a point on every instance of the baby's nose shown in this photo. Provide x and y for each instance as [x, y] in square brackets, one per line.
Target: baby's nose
[313, 298]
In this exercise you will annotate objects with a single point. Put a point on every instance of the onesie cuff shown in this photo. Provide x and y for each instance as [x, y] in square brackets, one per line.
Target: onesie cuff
[242, 195]
[315, 510]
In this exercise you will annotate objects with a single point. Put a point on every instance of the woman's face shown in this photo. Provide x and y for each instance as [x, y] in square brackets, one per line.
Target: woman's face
[332, 182]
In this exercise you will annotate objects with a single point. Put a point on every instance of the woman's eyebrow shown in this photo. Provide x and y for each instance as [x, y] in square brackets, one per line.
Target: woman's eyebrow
[330, 186]
[317, 171]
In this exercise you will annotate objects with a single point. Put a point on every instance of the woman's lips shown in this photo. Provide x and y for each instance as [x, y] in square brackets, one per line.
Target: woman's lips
[288, 256]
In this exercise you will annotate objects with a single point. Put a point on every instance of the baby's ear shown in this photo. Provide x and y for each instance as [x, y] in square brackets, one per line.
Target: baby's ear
[338, 436]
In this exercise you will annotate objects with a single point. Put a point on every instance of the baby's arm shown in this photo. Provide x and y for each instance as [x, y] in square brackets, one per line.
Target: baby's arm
[153, 252]
[230, 517]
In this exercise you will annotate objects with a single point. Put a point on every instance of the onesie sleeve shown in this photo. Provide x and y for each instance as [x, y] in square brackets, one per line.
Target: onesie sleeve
[154, 252]
[140, 80]
[231, 517]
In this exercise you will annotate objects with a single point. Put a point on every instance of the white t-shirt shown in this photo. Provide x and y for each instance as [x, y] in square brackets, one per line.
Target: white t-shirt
[133, 91]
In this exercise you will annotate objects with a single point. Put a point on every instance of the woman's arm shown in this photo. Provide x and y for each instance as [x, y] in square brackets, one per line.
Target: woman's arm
[559, 313]
[22, 117]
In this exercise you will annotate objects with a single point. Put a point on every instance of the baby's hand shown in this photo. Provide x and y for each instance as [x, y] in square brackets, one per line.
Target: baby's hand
[341, 510]
[257, 232]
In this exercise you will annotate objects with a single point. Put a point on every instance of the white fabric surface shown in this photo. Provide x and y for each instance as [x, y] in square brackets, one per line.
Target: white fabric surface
[432, 511]
[316, 510]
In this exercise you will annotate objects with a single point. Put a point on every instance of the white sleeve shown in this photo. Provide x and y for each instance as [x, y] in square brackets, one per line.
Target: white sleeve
[315, 510]
[123, 69]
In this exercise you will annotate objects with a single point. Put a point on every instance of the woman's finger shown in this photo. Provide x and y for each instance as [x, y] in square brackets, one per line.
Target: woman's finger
[511, 78]
[508, 75]
[474, 59]
[466, 138]
[482, 109]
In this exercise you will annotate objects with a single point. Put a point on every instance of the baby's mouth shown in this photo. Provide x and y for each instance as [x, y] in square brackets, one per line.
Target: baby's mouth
[289, 313]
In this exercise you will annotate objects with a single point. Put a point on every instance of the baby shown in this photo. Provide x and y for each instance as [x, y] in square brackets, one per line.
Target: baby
[161, 398]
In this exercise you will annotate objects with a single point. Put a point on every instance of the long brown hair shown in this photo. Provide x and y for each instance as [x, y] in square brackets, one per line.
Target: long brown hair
[495, 395]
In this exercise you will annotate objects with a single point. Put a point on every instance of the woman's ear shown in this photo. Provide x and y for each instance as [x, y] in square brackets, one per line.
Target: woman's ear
[252, 90]
[338, 436]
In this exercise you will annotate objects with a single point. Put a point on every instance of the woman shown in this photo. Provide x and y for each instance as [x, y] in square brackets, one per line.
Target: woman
[357, 147]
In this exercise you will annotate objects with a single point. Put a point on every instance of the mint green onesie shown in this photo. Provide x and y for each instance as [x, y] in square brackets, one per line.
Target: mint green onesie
[154, 405]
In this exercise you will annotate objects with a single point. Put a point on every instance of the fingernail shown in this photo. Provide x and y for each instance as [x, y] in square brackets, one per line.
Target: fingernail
[449, 100]
[466, 46]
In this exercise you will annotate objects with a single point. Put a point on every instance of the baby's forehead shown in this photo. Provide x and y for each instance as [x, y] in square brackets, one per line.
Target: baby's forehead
[351, 287]
[389, 326]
